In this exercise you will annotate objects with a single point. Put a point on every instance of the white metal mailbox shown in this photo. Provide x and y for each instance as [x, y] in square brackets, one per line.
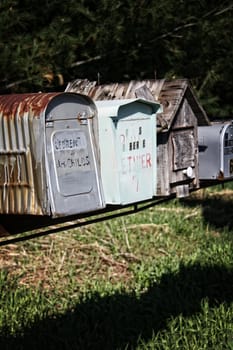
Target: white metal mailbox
[215, 145]
[72, 154]
[48, 159]
[127, 138]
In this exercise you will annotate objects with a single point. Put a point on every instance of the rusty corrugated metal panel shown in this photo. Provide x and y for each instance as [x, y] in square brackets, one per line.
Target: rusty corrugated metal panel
[20, 104]
[21, 122]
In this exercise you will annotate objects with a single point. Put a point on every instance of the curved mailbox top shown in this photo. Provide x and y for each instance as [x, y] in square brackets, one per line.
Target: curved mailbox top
[34, 105]
[111, 108]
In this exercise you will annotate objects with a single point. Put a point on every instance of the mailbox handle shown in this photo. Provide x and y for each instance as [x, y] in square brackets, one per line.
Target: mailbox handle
[84, 116]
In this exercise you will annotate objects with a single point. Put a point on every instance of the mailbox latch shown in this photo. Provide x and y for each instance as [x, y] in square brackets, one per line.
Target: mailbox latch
[83, 117]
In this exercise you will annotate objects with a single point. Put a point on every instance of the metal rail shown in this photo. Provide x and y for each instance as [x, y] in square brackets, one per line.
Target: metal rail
[135, 209]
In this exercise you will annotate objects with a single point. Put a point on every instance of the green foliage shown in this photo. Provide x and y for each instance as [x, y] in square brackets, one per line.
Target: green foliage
[45, 44]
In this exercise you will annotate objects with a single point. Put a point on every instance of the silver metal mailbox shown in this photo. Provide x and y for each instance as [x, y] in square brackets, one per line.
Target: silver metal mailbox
[48, 159]
[127, 137]
[215, 145]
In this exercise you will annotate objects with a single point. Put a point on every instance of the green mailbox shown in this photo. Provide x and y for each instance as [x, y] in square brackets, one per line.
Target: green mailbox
[127, 140]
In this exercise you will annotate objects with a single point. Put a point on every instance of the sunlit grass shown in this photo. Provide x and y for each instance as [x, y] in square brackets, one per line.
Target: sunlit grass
[159, 279]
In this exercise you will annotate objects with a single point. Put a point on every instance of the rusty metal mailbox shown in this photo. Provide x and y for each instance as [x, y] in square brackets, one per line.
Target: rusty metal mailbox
[215, 143]
[127, 137]
[48, 159]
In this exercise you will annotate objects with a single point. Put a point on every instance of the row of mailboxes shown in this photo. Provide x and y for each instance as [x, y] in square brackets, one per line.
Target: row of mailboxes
[215, 144]
[62, 154]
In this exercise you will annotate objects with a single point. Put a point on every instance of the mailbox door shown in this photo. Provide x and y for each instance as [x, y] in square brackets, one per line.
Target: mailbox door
[136, 159]
[127, 130]
[227, 151]
[215, 151]
[72, 166]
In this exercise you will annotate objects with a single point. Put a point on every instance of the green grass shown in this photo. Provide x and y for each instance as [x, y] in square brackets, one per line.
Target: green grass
[159, 279]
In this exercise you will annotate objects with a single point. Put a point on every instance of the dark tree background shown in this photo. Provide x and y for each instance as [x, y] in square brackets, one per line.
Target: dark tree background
[45, 44]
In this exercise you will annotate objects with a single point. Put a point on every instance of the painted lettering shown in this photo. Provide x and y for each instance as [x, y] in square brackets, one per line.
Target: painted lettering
[135, 183]
[73, 162]
[129, 159]
[143, 161]
[135, 162]
[13, 169]
[67, 143]
[148, 160]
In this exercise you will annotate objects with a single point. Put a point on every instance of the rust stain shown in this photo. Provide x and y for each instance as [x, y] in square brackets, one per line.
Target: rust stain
[220, 175]
[20, 104]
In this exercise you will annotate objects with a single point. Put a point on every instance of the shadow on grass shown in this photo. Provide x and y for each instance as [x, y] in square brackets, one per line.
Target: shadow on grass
[217, 210]
[117, 321]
